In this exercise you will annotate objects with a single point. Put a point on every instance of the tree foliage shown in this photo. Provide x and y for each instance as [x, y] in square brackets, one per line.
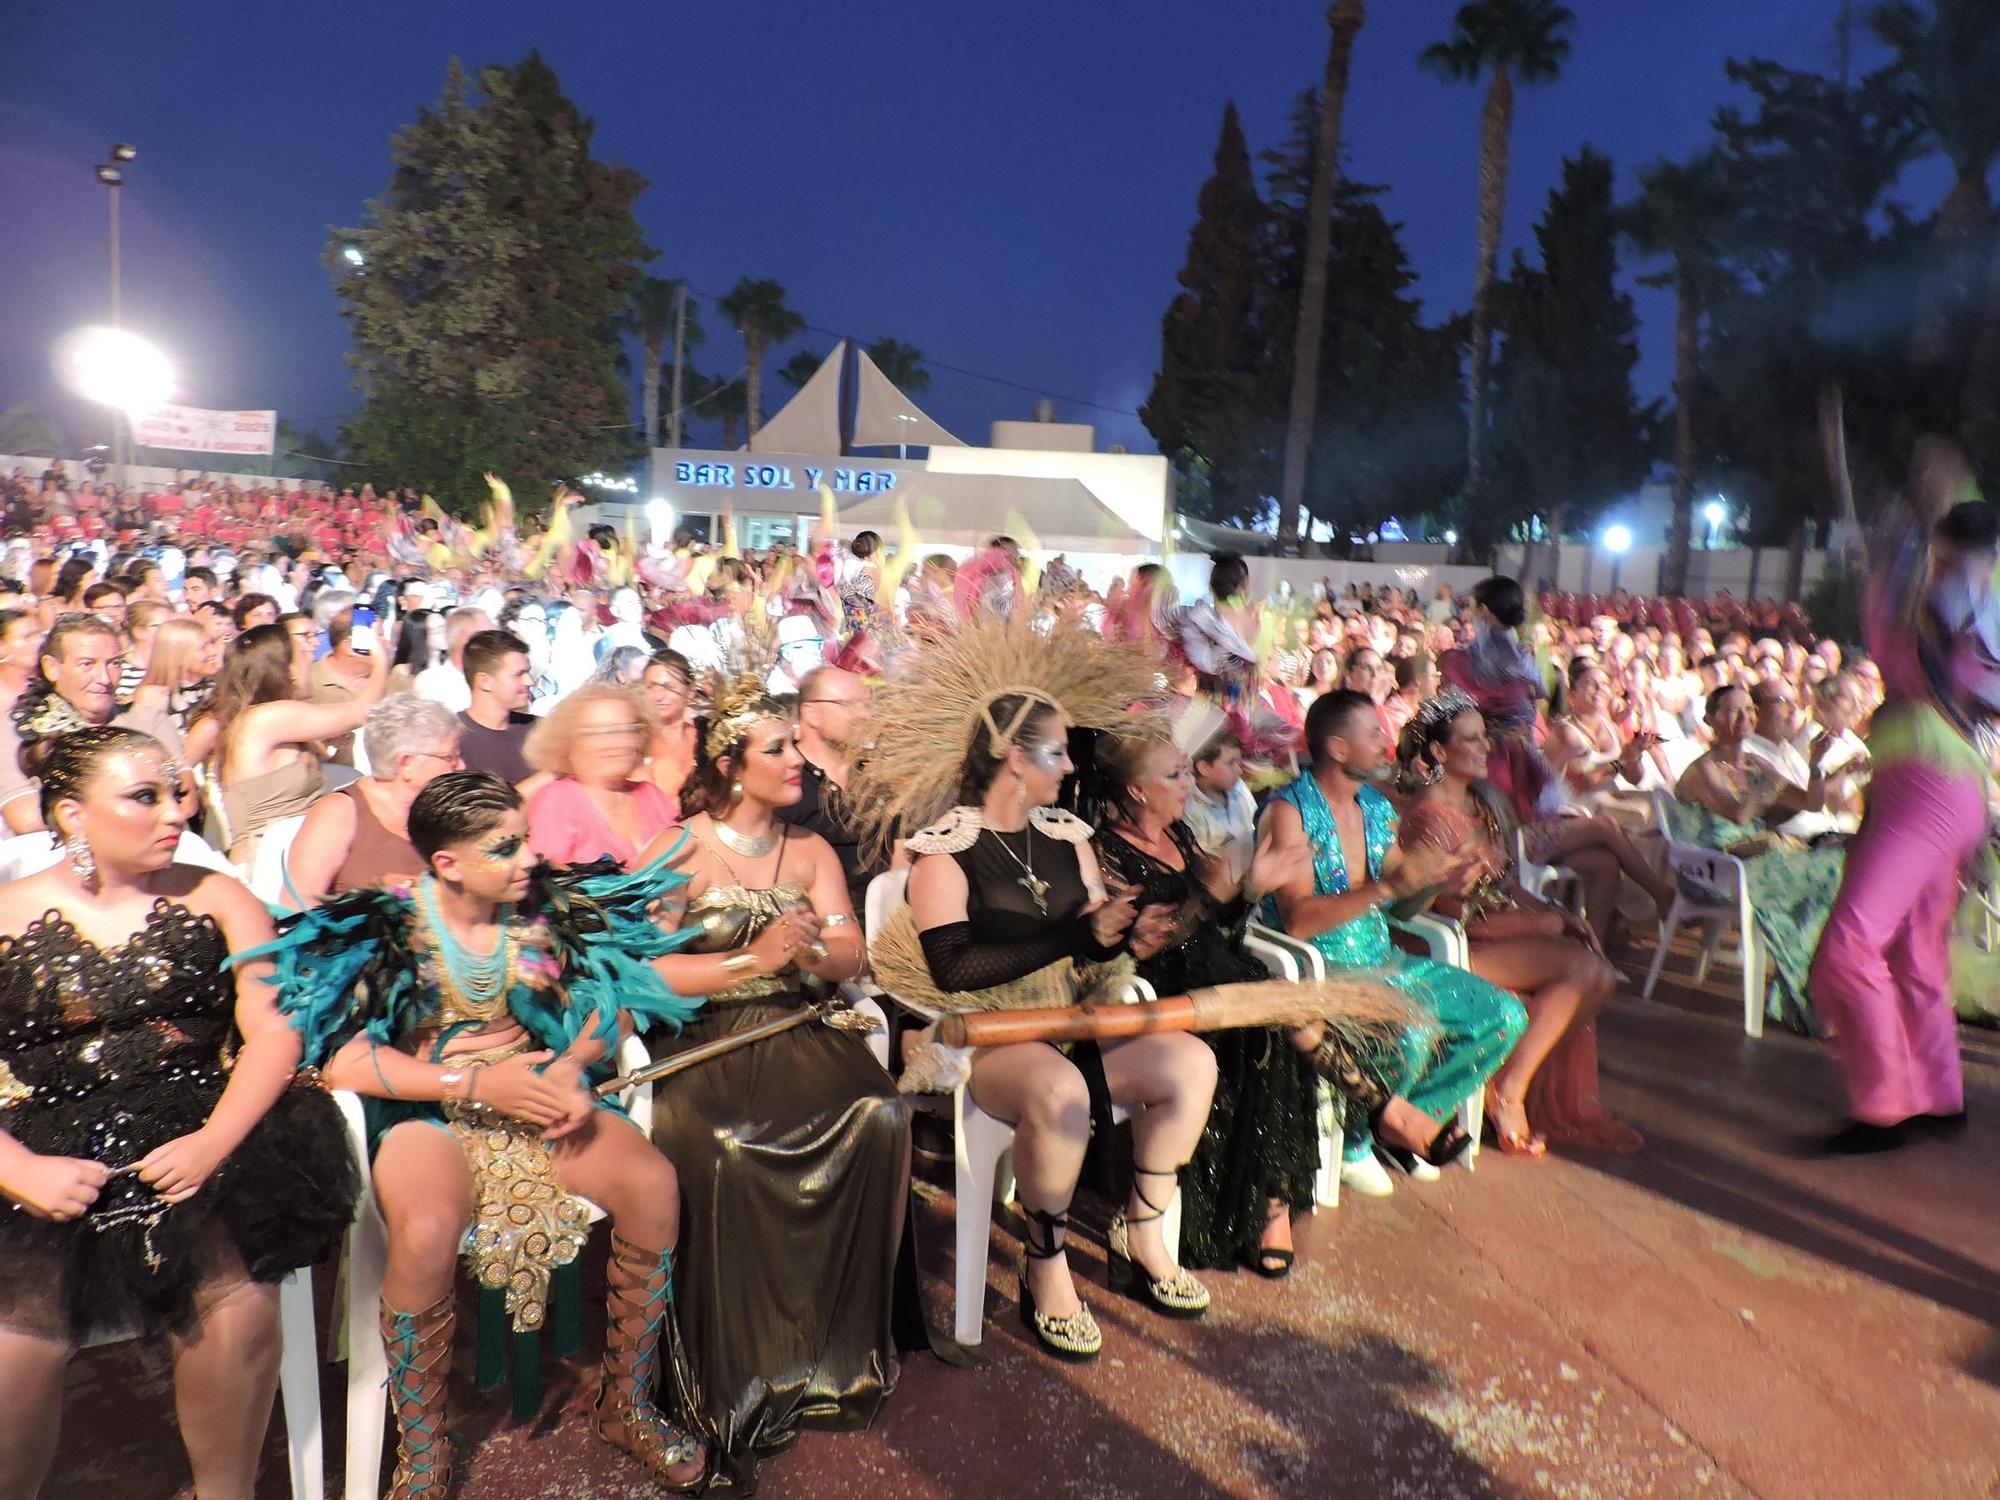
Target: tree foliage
[1569, 433]
[496, 270]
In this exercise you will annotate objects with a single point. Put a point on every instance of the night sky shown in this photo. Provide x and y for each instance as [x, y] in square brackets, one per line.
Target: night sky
[1008, 187]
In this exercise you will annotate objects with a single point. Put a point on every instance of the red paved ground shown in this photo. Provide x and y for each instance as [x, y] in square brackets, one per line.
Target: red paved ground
[1724, 1315]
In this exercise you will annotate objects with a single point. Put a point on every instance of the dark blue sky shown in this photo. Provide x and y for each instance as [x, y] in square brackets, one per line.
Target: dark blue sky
[1008, 187]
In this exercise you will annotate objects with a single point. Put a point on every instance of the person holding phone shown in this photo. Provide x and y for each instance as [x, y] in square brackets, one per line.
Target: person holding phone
[344, 673]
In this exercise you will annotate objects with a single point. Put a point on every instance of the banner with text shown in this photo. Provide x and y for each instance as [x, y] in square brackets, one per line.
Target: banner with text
[189, 429]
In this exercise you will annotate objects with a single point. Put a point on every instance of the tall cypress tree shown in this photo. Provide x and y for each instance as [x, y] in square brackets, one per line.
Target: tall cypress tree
[1206, 410]
[493, 275]
[1386, 440]
[1569, 434]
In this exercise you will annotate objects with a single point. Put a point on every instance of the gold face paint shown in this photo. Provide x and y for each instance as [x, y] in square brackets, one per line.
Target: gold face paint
[501, 849]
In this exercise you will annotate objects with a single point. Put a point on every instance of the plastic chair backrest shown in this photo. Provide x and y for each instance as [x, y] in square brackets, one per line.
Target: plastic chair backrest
[885, 894]
[267, 871]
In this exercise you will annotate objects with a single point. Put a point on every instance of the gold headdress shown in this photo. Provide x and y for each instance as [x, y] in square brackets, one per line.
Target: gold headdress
[737, 706]
[926, 717]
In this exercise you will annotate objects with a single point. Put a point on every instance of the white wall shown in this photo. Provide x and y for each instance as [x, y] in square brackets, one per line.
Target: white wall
[1135, 487]
[145, 476]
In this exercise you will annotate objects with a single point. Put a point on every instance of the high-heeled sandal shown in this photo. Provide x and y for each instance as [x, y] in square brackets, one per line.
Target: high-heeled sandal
[1075, 1339]
[1268, 1261]
[1511, 1143]
[1175, 1296]
[1446, 1147]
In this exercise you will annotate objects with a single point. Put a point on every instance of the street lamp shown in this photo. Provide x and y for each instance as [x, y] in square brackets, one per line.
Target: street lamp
[1715, 513]
[116, 369]
[1617, 541]
[112, 175]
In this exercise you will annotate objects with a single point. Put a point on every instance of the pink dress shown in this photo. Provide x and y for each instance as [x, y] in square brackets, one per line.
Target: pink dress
[565, 827]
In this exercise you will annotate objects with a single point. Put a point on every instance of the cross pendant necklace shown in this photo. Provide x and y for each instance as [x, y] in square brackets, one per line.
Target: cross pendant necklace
[1029, 882]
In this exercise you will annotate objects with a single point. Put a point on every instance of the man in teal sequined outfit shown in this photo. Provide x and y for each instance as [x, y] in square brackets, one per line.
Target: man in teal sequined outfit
[1336, 809]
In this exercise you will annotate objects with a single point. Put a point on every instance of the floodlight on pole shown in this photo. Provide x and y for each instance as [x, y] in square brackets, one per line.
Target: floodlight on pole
[1451, 539]
[1715, 513]
[116, 369]
[123, 153]
[1618, 541]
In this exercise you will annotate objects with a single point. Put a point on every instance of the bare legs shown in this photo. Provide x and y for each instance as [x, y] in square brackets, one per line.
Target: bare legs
[31, 1372]
[225, 1374]
[1170, 1081]
[1166, 1080]
[1600, 852]
[1561, 982]
[424, 1187]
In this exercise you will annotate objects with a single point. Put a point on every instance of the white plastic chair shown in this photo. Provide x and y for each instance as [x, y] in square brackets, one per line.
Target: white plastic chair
[1723, 875]
[267, 866]
[367, 1257]
[981, 1145]
[1536, 879]
[1289, 958]
[298, 1384]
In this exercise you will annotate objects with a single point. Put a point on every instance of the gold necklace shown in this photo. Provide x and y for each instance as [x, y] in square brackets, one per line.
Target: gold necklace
[750, 846]
[459, 1005]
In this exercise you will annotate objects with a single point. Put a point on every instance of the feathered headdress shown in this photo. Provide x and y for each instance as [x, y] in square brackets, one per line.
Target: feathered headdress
[924, 720]
[738, 705]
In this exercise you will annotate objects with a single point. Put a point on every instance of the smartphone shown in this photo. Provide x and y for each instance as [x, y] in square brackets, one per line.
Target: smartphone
[362, 636]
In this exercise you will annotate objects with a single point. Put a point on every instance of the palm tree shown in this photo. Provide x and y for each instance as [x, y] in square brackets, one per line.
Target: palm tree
[800, 368]
[729, 403]
[1508, 41]
[1676, 218]
[650, 320]
[1345, 18]
[902, 363]
[1948, 60]
[758, 311]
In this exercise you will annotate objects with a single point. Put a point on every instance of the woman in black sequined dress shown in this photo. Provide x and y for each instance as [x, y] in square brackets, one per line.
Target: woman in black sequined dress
[1258, 1158]
[160, 1170]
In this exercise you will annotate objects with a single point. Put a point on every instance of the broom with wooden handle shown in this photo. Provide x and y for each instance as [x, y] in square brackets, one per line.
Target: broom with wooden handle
[1351, 1004]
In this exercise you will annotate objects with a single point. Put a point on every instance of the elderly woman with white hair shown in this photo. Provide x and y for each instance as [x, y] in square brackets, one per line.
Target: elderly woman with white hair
[359, 835]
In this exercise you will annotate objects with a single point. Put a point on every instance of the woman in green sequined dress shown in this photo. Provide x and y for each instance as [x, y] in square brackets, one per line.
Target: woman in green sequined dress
[1336, 810]
[1728, 801]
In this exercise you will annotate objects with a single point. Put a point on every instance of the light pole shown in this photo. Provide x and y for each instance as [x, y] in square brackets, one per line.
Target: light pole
[112, 175]
[1617, 541]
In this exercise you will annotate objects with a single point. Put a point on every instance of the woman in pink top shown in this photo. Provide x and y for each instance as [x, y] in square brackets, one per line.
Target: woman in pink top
[593, 743]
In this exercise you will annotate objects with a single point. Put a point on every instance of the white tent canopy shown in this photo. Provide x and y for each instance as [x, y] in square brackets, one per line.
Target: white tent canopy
[884, 417]
[968, 510]
[810, 421]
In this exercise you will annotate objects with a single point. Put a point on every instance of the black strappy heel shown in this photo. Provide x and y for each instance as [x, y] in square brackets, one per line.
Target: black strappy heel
[1446, 1147]
[1075, 1339]
[1268, 1262]
[1175, 1296]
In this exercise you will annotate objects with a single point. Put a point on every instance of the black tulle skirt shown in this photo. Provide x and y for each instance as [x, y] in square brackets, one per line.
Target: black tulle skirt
[793, 1157]
[280, 1201]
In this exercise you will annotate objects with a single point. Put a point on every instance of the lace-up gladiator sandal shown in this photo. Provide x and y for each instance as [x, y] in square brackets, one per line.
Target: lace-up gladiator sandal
[1076, 1339]
[419, 1349]
[638, 1312]
[1175, 1296]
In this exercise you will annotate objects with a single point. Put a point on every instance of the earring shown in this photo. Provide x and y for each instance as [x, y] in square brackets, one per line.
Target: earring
[81, 860]
[735, 791]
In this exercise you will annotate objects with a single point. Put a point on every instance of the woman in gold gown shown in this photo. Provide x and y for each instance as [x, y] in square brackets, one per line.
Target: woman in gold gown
[793, 1151]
